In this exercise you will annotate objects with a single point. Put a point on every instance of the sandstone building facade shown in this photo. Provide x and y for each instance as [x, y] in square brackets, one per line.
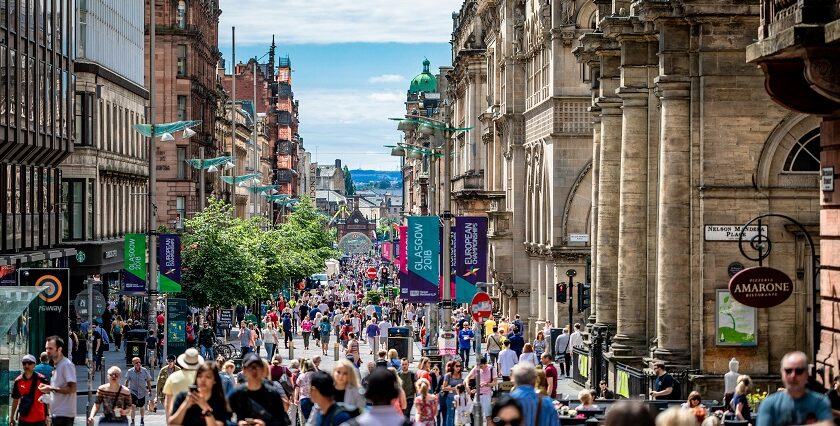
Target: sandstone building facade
[617, 138]
[186, 48]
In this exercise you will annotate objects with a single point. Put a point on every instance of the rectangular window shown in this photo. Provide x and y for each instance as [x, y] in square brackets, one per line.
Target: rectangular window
[30, 87]
[182, 60]
[12, 95]
[181, 211]
[182, 108]
[182, 162]
[4, 77]
[48, 99]
[73, 191]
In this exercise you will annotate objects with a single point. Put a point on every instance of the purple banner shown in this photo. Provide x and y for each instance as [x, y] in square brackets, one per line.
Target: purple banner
[470, 256]
[169, 258]
[423, 259]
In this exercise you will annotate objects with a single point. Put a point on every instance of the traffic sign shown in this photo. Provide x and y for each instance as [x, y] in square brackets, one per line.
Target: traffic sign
[481, 306]
[81, 304]
[371, 273]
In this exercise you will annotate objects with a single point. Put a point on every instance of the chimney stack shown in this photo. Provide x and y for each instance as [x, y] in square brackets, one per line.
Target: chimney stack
[337, 164]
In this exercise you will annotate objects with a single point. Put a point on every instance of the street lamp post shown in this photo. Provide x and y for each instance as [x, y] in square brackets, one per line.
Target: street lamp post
[429, 126]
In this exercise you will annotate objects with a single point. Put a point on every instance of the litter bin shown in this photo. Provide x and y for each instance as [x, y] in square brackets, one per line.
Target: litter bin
[398, 338]
[135, 345]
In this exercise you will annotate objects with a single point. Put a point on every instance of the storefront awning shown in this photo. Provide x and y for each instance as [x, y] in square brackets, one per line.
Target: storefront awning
[34, 256]
[13, 301]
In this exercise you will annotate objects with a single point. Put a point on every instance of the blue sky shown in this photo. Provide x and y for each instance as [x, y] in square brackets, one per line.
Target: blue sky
[352, 62]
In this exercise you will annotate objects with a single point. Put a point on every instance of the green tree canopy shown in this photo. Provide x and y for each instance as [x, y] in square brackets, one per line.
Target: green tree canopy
[349, 186]
[231, 261]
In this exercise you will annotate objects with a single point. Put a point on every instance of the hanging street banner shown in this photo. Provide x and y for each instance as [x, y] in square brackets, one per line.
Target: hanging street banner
[403, 249]
[423, 246]
[134, 264]
[470, 256]
[386, 251]
[169, 258]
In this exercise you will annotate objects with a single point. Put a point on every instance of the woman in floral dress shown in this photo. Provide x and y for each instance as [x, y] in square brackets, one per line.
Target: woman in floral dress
[426, 405]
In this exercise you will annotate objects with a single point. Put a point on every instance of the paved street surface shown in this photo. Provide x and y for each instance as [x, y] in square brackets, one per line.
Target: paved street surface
[566, 386]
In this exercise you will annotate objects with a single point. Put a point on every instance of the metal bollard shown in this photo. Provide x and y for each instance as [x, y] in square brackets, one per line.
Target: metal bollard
[335, 352]
[292, 349]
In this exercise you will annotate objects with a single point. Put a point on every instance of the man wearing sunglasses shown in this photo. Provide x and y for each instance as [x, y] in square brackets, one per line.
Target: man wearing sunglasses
[796, 405]
[27, 408]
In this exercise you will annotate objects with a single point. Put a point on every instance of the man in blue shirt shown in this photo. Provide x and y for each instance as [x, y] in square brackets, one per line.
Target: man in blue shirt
[44, 368]
[517, 343]
[465, 338]
[796, 405]
[524, 376]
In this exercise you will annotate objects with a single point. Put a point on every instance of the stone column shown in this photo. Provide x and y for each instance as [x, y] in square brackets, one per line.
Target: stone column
[593, 221]
[630, 339]
[673, 264]
[550, 293]
[609, 165]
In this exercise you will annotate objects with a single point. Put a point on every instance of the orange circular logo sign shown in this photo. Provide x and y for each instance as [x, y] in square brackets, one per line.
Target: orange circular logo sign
[54, 288]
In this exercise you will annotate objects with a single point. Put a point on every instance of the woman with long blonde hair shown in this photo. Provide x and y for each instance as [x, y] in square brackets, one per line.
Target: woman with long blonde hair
[740, 405]
[347, 384]
[425, 404]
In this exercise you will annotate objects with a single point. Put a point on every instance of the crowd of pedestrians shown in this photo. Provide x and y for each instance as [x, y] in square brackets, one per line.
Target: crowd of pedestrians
[261, 388]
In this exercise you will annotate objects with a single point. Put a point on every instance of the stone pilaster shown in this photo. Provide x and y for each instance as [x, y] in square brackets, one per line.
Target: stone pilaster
[593, 226]
[630, 339]
[673, 253]
[609, 165]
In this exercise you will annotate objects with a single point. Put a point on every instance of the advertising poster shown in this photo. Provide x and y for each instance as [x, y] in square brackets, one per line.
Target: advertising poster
[169, 258]
[735, 322]
[470, 256]
[423, 265]
[176, 326]
[134, 264]
[386, 251]
[54, 302]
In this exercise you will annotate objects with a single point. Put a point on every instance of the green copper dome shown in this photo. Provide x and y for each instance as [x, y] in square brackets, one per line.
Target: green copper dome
[424, 82]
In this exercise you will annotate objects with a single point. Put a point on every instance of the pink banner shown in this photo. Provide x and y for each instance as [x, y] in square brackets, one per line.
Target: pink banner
[386, 251]
[403, 249]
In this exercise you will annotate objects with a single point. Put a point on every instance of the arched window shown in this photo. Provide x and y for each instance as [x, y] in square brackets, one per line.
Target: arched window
[804, 156]
[182, 14]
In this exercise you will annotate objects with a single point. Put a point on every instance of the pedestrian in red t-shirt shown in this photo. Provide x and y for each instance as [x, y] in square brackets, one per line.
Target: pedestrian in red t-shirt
[26, 397]
[550, 374]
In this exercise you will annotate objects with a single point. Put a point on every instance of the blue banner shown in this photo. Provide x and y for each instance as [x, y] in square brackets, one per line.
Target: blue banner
[471, 256]
[423, 258]
[169, 258]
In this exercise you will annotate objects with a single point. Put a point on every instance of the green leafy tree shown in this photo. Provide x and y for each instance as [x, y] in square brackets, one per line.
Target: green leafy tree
[349, 186]
[222, 265]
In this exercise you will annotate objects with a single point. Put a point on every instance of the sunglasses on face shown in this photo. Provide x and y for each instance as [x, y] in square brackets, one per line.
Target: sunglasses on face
[114, 375]
[28, 363]
[798, 370]
[512, 422]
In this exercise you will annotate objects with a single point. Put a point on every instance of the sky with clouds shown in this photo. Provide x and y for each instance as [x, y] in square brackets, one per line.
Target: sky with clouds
[352, 62]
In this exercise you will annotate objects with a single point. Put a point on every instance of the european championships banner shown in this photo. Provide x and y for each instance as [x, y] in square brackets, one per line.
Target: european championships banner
[134, 263]
[423, 247]
[169, 258]
[470, 256]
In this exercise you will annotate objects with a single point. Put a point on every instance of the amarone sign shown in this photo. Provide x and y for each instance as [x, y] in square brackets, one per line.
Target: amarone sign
[761, 287]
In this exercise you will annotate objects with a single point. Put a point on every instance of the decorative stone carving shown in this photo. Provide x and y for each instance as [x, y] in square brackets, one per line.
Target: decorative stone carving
[567, 12]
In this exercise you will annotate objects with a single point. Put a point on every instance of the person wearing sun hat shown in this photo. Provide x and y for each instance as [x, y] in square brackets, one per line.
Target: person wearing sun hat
[181, 380]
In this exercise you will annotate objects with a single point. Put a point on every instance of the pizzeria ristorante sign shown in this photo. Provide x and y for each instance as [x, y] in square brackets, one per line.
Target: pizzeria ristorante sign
[760, 287]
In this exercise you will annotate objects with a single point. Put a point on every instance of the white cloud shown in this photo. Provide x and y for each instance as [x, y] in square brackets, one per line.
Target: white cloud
[337, 21]
[386, 78]
[352, 125]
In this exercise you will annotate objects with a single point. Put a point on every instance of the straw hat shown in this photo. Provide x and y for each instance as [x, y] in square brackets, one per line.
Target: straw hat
[190, 359]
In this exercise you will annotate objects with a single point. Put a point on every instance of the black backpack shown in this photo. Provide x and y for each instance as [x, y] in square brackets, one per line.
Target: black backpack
[353, 412]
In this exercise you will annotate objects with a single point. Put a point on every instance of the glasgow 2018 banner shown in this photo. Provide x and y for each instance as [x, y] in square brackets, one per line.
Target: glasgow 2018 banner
[470, 256]
[134, 264]
[420, 283]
